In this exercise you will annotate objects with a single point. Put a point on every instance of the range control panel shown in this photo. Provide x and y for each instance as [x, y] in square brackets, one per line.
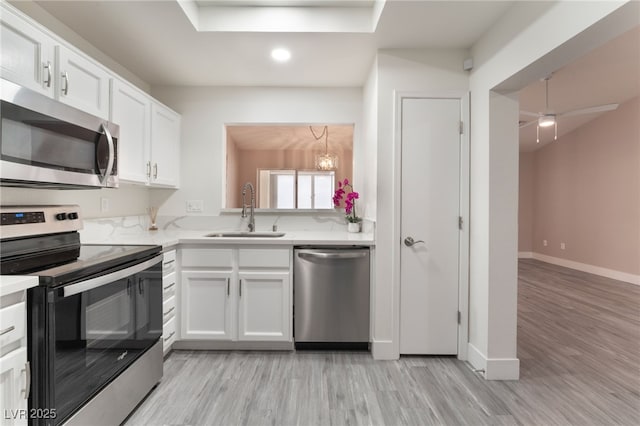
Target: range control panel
[21, 218]
[20, 221]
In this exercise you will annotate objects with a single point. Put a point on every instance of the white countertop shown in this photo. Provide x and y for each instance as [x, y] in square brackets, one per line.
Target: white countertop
[14, 283]
[170, 238]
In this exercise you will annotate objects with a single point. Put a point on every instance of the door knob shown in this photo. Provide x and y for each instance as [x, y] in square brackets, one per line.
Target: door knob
[410, 242]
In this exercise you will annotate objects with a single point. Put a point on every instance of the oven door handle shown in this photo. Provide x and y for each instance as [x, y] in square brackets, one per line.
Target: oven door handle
[80, 287]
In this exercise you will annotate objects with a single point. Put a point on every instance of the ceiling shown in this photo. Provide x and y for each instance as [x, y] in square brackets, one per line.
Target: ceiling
[333, 44]
[608, 74]
[157, 41]
[286, 137]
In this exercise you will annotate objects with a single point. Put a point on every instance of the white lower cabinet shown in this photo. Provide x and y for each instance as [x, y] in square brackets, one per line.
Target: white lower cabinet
[228, 296]
[13, 382]
[169, 300]
[206, 305]
[264, 305]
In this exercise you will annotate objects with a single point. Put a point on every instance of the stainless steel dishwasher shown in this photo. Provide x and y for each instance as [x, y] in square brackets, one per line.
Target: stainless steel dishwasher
[331, 297]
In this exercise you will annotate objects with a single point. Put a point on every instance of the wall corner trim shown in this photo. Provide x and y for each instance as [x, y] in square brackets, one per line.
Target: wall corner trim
[494, 368]
[591, 269]
[384, 350]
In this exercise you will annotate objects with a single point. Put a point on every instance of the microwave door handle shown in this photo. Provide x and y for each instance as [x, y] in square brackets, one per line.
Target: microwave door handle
[83, 286]
[111, 160]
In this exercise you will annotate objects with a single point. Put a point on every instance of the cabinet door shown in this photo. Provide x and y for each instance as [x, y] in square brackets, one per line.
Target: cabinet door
[264, 308]
[27, 54]
[13, 387]
[82, 84]
[131, 110]
[206, 309]
[165, 146]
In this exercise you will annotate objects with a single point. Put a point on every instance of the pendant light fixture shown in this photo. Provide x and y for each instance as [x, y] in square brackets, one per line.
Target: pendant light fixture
[325, 161]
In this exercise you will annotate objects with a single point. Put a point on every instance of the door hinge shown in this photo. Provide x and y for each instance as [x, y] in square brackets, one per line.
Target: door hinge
[461, 127]
[460, 222]
[459, 317]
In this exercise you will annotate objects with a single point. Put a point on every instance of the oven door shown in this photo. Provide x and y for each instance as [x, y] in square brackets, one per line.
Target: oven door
[45, 143]
[95, 329]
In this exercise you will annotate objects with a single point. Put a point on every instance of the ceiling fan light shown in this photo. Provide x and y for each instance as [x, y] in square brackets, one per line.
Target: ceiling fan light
[547, 120]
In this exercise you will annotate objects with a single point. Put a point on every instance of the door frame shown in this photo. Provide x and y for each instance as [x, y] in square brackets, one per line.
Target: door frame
[463, 238]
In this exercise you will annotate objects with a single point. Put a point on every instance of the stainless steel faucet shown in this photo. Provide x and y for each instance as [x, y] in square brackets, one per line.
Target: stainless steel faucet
[252, 221]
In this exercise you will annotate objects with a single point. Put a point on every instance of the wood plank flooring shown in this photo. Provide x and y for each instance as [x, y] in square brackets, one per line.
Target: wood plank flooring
[579, 350]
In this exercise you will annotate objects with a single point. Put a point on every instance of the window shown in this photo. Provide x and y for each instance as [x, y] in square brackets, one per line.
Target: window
[295, 189]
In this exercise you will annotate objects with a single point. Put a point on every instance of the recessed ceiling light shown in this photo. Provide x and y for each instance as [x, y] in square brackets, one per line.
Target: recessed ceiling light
[280, 54]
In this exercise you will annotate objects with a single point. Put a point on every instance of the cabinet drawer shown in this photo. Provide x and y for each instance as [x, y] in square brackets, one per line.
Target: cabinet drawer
[12, 320]
[264, 258]
[168, 310]
[169, 286]
[168, 262]
[168, 334]
[206, 257]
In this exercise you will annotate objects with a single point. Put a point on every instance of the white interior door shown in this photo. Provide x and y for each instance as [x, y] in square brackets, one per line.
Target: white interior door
[430, 210]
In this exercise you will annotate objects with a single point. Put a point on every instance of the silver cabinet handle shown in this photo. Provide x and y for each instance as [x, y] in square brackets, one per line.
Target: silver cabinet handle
[410, 242]
[65, 77]
[168, 287]
[47, 67]
[228, 286]
[155, 170]
[170, 336]
[240, 288]
[27, 385]
[148, 169]
[169, 262]
[169, 311]
[112, 154]
[7, 330]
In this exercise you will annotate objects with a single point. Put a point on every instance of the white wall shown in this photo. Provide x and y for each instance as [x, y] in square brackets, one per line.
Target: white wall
[366, 163]
[205, 111]
[432, 72]
[531, 40]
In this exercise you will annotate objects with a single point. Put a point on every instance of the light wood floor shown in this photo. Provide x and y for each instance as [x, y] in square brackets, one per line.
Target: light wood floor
[579, 350]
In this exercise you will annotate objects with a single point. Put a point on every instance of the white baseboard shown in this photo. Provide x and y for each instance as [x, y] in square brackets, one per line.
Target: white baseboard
[494, 368]
[525, 255]
[384, 350]
[596, 270]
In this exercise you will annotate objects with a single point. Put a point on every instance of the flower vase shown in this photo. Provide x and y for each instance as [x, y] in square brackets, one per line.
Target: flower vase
[354, 226]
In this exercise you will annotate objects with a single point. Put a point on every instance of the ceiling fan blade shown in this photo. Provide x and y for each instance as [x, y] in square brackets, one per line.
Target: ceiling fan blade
[528, 123]
[590, 110]
[530, 114]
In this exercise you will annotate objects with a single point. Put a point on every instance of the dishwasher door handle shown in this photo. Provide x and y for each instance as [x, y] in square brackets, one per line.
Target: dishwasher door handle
[321, 255]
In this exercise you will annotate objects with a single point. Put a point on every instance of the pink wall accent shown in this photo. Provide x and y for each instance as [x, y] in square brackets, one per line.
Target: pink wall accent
[233, 178]
[525, 203]
[586, 193]
[249, 161]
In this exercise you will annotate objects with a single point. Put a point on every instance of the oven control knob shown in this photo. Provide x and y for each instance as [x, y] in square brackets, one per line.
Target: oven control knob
[62, 216]
[73, 215]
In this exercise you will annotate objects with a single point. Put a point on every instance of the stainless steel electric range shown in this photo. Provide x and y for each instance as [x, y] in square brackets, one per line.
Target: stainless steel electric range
[94, 322]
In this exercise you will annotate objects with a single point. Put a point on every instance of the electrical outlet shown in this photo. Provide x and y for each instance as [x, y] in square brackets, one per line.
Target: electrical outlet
[195, 206]
[104, 204]
[544, 243]
[562, 246]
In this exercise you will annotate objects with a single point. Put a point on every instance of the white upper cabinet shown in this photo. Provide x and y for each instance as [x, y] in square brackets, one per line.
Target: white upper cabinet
[82, 83]
[165, 146]
[131, 110]
[27, 55]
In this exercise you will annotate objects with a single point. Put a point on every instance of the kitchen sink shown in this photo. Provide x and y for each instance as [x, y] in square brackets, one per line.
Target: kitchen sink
[245, 234]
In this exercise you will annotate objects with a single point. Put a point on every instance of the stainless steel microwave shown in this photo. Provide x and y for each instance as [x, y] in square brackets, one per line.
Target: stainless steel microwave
[47, 144]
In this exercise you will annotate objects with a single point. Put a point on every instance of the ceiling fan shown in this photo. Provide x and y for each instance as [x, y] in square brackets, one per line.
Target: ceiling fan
[549, 118]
